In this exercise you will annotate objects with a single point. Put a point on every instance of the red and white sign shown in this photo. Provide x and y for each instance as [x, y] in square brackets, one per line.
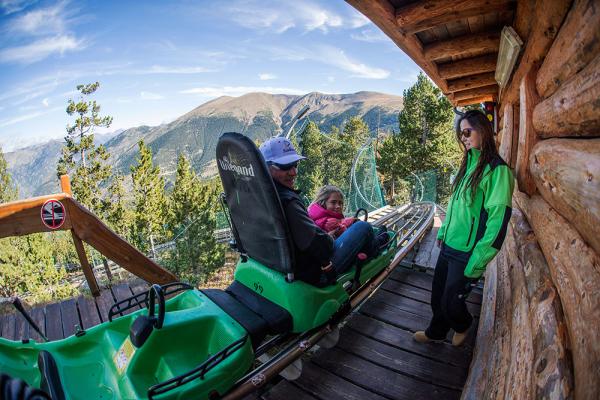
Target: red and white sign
[53, 214]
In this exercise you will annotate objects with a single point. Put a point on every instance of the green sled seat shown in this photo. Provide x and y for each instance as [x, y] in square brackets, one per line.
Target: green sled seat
[262, 236]
[197, 350]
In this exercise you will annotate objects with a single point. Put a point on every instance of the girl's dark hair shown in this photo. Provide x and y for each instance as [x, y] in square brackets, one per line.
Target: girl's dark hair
[480, 123]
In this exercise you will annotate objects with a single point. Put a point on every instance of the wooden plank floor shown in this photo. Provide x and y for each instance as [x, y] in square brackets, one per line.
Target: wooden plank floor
[377, 358]
[59, 320]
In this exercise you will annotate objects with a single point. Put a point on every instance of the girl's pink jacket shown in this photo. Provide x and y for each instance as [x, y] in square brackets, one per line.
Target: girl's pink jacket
[328, 220]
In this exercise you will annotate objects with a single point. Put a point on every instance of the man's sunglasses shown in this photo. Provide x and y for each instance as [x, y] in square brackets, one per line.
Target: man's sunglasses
[284, 167]
[466, 132]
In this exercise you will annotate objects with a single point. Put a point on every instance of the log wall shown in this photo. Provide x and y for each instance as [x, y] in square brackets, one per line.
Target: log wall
[539, 331]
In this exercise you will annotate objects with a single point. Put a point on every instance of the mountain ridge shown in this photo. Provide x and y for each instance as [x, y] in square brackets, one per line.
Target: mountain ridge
[258, 115]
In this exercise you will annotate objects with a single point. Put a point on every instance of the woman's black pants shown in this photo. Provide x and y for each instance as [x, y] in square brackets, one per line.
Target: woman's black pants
[448, 294]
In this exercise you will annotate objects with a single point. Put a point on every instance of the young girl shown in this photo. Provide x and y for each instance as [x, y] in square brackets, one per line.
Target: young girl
[327, 209]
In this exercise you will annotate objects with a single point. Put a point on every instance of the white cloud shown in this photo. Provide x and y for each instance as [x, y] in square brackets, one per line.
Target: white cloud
[150, 96]
[240, 90]
[45, 102]
[41, 49]
[50, 20]
[278, 17]
[25, 117]
[13, 6]
[161, 69]
[370, 35]
[266, 77]
[330, 55]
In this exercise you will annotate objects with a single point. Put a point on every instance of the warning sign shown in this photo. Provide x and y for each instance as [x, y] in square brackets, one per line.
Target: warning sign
[53, 214]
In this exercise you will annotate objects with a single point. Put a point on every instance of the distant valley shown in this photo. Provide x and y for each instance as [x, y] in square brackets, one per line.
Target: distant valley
[195, 134]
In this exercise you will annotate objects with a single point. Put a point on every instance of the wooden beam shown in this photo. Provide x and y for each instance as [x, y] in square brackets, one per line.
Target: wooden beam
[527, 134]
[574, 108]
[574, 269]
[576, 45]
[474, 100]
[65, 185]
[567, 175]
[505, 148]
[383, 14]
[548, 17]
[468, 66]
[23, 217]
[480, 43]
[85, 265]
[91, 230]
[471, 82]
[423, 15]
[522, 20]
[490, 90]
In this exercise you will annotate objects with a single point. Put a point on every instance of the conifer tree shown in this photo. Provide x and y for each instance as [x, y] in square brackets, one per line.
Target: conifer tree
[81, 158]
[193, 221]
[8, 191]
[116, 209]
[310, 173]
[149, 201]
[425, 140]
[340, 152]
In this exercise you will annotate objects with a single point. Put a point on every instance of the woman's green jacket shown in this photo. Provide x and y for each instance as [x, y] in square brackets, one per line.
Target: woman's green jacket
[475, 227]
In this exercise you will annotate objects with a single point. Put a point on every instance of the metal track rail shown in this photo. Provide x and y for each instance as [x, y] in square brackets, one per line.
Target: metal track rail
[411, 224]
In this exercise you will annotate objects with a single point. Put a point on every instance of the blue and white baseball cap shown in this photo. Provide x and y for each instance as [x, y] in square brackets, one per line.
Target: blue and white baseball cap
[279, 150]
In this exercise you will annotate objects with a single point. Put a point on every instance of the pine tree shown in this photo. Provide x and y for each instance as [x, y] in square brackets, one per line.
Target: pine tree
[116, 209]
[425, 141]
[8, 191]
[193, 220]
[81, 158]
[340, 152]
[150, 203]
[310, 174]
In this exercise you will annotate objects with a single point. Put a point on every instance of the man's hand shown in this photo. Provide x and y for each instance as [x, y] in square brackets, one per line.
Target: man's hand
[438, 242]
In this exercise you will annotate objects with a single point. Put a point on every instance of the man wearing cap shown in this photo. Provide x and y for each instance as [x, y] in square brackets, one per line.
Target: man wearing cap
[320, 257]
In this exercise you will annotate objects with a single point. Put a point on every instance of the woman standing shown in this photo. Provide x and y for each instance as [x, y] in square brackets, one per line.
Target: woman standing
[474, 228]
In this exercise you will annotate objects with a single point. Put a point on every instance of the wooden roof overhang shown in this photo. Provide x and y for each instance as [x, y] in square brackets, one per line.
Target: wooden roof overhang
[455, 42]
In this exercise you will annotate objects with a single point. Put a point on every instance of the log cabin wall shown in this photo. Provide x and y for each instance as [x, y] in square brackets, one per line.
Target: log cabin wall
[539, 331]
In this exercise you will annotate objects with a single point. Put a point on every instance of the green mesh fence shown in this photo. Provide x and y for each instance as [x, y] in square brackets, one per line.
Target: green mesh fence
[365, 190]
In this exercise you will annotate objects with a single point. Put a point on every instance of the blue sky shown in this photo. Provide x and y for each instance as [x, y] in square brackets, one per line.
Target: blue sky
[156, 60]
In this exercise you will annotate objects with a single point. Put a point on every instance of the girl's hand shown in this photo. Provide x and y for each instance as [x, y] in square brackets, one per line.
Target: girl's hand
[334, 233]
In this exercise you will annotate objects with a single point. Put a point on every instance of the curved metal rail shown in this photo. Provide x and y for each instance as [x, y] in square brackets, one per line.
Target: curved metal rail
[411, 224]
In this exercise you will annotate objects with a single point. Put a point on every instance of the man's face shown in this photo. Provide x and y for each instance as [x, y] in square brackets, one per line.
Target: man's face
[285, 175]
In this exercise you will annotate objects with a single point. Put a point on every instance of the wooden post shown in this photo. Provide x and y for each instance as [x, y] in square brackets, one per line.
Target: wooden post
[574, 108]
[85, 265]
[468, 66]
[480, 43]
[576, 45]
[527, 134]
[65, 185]
[507, 133]
[545, 23]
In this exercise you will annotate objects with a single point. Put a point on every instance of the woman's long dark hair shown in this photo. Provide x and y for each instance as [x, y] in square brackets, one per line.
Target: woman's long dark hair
[480, 123]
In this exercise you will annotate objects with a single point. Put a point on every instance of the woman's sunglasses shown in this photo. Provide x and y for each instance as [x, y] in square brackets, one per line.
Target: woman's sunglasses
[466, 132]
[284, 167]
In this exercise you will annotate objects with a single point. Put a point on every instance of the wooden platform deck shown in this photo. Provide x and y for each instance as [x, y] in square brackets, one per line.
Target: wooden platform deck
[377, 358]
[60, 320]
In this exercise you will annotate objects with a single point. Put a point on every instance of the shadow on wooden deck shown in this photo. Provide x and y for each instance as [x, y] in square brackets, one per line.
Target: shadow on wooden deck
[377, 358]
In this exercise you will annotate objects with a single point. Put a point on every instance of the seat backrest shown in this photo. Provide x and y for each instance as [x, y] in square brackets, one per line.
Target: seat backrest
[254, 205]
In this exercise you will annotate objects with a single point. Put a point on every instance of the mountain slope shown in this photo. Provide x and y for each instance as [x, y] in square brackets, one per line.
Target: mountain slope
[257, 115]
